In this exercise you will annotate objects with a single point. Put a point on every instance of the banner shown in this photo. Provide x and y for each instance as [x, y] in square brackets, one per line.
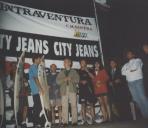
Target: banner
[52, 47]
[51, 34]
[30, 20]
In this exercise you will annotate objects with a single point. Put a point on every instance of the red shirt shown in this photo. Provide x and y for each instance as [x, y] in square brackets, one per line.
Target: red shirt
[101, 77]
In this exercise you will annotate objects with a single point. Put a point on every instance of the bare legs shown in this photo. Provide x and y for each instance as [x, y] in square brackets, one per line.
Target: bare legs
[105, 107]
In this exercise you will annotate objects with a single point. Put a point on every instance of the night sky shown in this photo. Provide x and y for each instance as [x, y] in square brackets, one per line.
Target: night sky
[123, 26]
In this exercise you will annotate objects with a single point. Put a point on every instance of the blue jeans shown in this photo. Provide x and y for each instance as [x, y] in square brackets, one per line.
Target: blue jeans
[138, 94]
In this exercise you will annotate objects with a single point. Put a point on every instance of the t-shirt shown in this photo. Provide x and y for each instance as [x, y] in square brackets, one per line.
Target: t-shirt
[33, 73]
[133, 70]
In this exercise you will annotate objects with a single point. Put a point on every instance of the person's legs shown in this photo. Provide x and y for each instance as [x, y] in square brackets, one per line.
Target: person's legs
[65, 109]
[107, 107]
[143, 100]
[83, 111]
[36, 109]
[53, 114]
[103, 108]
[73, 101]
[59, 105]
[92, 112]
[24, 114]
[137, 91]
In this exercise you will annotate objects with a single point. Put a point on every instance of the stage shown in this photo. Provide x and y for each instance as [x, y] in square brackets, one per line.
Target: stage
[122, 124]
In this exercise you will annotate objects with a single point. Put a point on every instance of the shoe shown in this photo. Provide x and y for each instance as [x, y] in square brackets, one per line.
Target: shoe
[82, 122]
[23, 125]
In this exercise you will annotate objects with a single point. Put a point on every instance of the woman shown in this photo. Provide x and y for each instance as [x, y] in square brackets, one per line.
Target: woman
[86, 94]
[100, 88]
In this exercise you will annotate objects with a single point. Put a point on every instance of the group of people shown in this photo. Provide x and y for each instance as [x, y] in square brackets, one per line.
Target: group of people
[92, 85]
[64, 87]
[110, 87]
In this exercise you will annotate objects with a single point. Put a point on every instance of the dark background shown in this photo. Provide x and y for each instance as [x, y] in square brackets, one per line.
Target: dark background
[122, 26]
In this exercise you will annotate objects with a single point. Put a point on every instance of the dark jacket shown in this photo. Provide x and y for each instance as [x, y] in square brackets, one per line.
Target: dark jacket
[118, 90]
[145, 71]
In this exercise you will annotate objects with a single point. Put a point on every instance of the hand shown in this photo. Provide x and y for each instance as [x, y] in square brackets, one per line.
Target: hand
[98, 84]
[83, 82]
[86, 69]
[67, 79]
[117, 81]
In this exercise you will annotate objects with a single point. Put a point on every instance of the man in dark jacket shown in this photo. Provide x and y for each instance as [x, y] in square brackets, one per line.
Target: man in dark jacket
[145, 66]
[119, 94]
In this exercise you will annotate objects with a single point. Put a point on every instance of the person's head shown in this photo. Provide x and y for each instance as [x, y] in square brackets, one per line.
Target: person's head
[113, 63]
[67, 63]
[53, 68]
[130, 54]
[36, 59]
[83, 63]
[145, 48]
[98, 65]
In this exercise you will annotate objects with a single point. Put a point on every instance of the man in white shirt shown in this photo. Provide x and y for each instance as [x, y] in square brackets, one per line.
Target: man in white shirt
[134, 76]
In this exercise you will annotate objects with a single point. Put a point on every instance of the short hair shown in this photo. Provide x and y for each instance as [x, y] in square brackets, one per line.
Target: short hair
[54, 65]
[67, 58]
[132, 51]
[36, 56]
[70, 60]
[83, 60]
[114, 59]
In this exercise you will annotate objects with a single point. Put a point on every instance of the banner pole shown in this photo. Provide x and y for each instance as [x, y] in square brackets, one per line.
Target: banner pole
[97, 24]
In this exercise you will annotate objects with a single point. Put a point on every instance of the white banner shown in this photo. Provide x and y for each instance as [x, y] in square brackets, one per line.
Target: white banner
[24, 19]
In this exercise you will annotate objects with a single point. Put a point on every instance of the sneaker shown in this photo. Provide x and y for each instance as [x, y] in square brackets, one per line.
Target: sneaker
[82, 122]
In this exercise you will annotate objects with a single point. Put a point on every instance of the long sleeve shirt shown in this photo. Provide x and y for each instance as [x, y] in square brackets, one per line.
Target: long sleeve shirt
[133, 70]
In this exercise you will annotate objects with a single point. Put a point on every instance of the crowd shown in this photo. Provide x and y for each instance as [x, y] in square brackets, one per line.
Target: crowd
[97, 84]
[112, 87]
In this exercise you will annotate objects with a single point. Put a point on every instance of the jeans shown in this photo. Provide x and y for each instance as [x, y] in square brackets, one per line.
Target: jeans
[138, 94]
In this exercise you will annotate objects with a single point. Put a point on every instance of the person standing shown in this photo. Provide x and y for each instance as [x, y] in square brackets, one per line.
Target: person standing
[23, 100]
[119, 95]
[101, 79]
[134, 76]
[68, 79]
[36, 89]
[145, 67]
[54, 93]
[86, 92]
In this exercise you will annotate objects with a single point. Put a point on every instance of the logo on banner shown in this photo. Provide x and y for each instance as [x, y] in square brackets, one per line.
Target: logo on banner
[80, 34]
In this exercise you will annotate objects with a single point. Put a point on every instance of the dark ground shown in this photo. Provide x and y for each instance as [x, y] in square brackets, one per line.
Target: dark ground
[122, 124]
